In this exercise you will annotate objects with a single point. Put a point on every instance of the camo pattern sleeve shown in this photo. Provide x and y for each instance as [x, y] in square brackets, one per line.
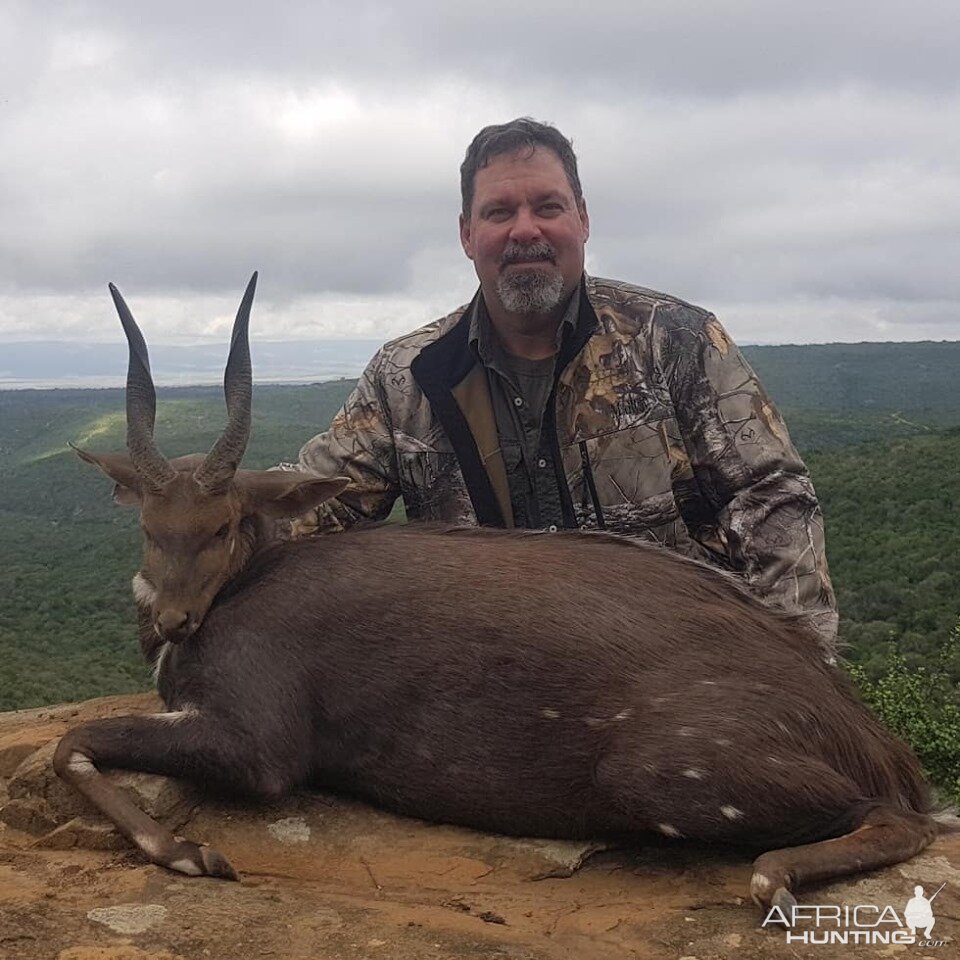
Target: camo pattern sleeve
[765, 521]
[358, 445]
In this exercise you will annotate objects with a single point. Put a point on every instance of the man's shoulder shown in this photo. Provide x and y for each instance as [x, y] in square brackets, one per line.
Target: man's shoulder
[403, 350]
[631, 302]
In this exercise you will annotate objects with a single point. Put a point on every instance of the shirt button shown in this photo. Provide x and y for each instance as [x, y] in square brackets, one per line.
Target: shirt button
[518, 401]
[552, 528]
[541, 463]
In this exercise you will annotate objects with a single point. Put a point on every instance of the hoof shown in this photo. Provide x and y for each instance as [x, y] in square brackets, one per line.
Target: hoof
[217, 865]
[786, 901]
[197, 860]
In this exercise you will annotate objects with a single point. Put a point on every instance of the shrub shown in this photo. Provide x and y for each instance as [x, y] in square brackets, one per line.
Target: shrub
[921, 705]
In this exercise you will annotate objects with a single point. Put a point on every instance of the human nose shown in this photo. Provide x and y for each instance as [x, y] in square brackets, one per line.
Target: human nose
[525, 227]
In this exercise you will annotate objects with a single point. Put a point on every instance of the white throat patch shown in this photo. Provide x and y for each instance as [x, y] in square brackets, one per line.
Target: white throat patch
[143, 591]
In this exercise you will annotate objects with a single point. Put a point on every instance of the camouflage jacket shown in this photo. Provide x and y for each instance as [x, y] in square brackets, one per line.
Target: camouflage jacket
[662, 430]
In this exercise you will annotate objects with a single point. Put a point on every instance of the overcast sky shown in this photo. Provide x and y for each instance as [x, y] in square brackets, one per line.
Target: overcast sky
[795, 167]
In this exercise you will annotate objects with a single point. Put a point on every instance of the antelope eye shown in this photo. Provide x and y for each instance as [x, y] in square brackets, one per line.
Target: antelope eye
[221, 534]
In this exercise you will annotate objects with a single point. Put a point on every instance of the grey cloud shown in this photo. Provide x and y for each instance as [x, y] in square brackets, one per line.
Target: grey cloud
[732, 153]
[852, 195]
[687, 46]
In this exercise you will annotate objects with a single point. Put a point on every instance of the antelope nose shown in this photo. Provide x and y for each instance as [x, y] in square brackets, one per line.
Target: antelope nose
[173, 624]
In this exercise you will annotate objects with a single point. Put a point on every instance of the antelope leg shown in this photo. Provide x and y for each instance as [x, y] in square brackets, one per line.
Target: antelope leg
[172, 744]
[885, 836]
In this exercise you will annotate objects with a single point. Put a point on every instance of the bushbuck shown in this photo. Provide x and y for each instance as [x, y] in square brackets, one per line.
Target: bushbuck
[565, 684]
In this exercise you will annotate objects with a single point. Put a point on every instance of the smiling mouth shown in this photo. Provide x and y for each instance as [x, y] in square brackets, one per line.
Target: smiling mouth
[527, 263]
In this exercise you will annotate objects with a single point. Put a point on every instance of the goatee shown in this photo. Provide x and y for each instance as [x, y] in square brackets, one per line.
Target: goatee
[530, 291]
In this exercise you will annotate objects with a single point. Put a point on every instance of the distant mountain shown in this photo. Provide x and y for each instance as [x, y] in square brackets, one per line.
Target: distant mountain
[56, 364]
[835, 376]
[861, 376]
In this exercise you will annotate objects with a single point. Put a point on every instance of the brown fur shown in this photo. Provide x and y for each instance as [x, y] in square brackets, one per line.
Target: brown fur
[565, 685]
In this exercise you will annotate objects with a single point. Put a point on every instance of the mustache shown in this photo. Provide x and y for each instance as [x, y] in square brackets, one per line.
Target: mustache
[520, 253]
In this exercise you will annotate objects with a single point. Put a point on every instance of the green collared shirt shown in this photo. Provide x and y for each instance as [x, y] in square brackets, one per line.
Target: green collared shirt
[520, 392]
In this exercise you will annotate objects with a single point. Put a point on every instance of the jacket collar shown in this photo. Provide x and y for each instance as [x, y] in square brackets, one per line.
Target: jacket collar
[443, 365]
[483, 341]
[445, 362]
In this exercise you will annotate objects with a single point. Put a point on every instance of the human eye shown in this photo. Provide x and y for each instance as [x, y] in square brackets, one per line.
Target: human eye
[497, 214]
[551, 208]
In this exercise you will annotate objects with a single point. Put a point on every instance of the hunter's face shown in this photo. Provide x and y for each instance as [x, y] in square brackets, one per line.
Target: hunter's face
[526, 231]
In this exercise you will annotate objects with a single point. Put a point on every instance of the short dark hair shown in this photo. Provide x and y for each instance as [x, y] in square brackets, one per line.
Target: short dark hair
[523, 133]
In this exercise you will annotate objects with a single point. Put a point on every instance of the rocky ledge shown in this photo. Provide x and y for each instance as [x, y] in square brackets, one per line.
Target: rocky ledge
[323, 877]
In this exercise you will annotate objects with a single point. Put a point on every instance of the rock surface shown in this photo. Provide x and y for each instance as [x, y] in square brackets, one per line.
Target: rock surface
[323, 877]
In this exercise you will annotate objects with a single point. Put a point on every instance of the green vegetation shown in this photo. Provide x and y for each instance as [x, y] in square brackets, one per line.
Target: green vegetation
[892, 514]
[919, 377]
[67, 553]
[38, 424]
[922, 705]
[878, 424]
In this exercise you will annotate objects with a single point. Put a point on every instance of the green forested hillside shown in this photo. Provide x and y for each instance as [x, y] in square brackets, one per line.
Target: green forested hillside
[862, 376]
[35, 424]
[886, 478]
[67, 553]
[892, 511]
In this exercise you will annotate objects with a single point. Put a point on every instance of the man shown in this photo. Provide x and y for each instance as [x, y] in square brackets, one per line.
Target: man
[557, 400]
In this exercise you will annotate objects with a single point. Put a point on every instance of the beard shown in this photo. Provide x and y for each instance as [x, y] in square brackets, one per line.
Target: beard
[532, 290]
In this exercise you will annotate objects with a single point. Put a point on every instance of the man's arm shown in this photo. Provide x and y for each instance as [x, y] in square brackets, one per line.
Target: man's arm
[766, 521]
[358, 445]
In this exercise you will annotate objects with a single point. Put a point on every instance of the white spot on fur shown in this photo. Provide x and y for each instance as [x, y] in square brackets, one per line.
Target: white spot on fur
[776, 761]
[783, 727]
[760, 884]
[176, 716]
[290, 830]
[158, 663]
[147, 844]
[686, 731]
[709, 683]
[693, 774]
[143, 591]
[129, 918]
[550, 713]
[623, 715]
[667, 830]
[723, 742]
[592, 721]
[80, 764]
[731, 813]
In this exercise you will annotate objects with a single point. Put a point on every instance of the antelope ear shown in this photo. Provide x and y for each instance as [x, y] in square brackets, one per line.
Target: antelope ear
[286, 493]
[119, 468]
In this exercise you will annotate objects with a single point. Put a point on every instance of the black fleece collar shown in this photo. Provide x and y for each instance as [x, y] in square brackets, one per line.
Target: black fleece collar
[443, 364]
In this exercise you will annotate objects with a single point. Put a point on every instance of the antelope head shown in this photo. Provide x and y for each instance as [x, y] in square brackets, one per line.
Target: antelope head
[195, 510]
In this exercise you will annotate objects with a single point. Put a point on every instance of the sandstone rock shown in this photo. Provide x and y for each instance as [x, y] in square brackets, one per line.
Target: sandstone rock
[13, 754]
[129, 917]
[325, 877]
[42, 804]
[114, 953]
[87, 833]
